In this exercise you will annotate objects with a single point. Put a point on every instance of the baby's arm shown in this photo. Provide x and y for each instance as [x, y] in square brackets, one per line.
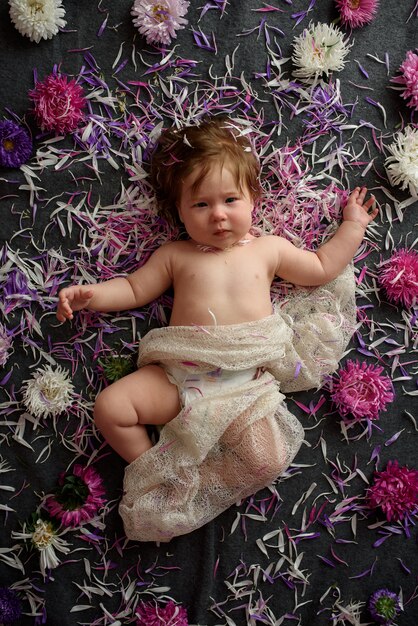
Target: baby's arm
[120, 294]
[305, 268]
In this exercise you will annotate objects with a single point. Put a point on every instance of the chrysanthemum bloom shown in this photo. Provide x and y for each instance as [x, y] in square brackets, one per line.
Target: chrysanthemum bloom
[384, 606]
[319, 50]
[150, 614]
[409, 79]
[58, 103]
[398, 276]
[15, 144]
[394, 491]
[402, 166]
[117, 366]
[37, 19]
[362, 391]
[44, 538]
[48, 392]
[78, 497]
[10, 607]
[158, 20]
[5, 345]
[355, 13]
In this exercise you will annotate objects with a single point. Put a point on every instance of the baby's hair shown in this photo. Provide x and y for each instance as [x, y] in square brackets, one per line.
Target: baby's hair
[179, 152]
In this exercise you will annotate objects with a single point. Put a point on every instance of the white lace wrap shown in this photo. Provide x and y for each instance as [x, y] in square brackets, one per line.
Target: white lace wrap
[221, 449]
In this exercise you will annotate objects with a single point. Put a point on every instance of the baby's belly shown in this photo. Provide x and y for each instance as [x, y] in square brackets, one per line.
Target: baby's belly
[213, 314]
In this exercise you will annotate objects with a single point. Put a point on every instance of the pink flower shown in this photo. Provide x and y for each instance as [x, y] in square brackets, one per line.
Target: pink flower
[409, 79]
[158, 20]
[355, 13]
[150, 614]
[78, 497]
[399, 277]
[58, 104]
[395, 491]
[362, 391]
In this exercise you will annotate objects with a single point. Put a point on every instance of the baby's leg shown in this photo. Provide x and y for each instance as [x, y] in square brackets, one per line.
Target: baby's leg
[122, 410]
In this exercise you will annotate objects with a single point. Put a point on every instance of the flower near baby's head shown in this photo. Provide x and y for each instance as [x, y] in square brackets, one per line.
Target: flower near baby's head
[152, 614]
[355, 13]
[398, 276]
[49, 392]
[409, 79]
[58, 103]
[15, 144]
[394, 491]
[384, 606]
[158, 20]
[45, 538]
[320, 49]
[78, 497]
[361, 391]
[402, 165]
[10, 605]
[37, 19]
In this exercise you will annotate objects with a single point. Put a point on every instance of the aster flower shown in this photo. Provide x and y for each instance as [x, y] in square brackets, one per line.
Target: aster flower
[394, 491]
[384, 606]
[5, 345]
[362, 391]
[58, 104]
[10, 606]
[37, 19]
[15, 144]
[158, 20]
[402, 165]
[398, 276]
[150, 614]
[355, 13]
[409, 79]
[319, 50]
[117, 366]
[46, 540]
[48, 392]
[78, 497]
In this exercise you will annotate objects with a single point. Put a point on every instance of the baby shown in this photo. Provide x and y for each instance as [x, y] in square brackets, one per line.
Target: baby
[207, 176]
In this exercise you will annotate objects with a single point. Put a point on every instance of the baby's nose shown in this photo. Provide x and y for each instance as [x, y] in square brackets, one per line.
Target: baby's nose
[218, 213]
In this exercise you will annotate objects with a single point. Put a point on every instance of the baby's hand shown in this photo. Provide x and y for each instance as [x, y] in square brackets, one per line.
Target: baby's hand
[72, 299]
[356, 210]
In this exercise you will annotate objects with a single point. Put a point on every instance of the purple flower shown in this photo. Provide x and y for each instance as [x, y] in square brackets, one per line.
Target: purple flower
[151, 614]
[394, 491]
[78, 497]
[158, 20]
[355, 13]
[384, 606]
[399, 277]
[409, 79]
[362, 391]
[15, 144]
[10, 607]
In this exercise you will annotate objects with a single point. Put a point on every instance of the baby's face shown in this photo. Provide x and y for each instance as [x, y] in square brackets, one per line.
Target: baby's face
[217, 214]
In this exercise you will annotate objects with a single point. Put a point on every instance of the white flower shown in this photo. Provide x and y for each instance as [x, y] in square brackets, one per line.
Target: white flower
[5, 345]
[46, 540]
[402, 166]
[158, 20]
[37, 19]
[49, 392]
[320, 49]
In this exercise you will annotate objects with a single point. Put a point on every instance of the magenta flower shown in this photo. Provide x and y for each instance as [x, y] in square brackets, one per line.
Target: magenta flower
[58, 104]
[409, 79]
[158, 20]
[355, 13]
[362, 391]
[15, 144]
[399, 277]
[394, 491]
[78, 497]
[150, 614]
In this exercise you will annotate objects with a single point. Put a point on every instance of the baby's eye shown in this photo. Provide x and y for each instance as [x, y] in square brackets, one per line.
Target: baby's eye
[231, 199]
[200, 205]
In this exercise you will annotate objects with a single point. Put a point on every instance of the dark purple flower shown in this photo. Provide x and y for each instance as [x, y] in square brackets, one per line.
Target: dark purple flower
[15, 144]
[394, 491]
[151, 614]
[384, 606]
[10, 607]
